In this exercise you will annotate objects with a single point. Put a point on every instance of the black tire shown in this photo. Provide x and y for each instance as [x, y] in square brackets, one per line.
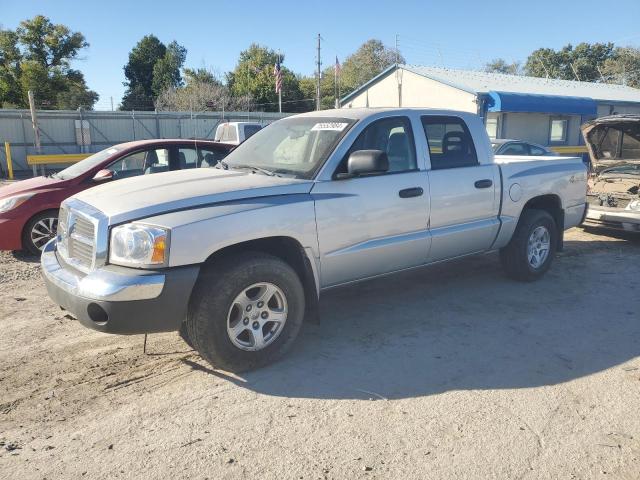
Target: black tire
[184, 334]
[514, 256]
[217, 288]
[27, 241]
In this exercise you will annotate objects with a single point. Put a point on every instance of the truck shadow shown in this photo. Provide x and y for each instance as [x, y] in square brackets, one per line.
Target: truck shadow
[24, 256]
[464, 325]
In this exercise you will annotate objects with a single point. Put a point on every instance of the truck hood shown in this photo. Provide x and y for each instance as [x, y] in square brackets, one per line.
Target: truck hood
[148, 195]
[602, 137]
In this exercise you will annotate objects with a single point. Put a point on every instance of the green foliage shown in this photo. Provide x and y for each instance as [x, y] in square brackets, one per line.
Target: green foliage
[10, 68]
[569, 63]
[201, 75]
[166, 71]
[623, 67]
[596, 62]
[37, 56]
[201, 91]
[48, 44]
[499, 65]
[253, 78]
[152, 68]
[368, 61]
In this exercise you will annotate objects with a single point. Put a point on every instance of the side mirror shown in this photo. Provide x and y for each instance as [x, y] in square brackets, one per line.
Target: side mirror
[363, 162]
[103, 176]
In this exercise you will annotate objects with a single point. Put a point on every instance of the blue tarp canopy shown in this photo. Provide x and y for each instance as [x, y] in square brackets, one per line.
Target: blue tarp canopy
[525, 102]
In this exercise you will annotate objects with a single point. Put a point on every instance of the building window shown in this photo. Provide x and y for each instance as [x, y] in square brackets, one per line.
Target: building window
[492, 127]
[558, 130]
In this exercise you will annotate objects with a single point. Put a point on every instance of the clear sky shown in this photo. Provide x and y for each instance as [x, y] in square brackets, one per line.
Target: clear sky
[453, 33]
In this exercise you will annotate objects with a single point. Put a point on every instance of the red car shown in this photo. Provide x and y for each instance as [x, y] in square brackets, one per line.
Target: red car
[29, 209]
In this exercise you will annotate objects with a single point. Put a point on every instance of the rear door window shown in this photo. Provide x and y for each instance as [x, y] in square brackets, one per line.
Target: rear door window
[450, 143]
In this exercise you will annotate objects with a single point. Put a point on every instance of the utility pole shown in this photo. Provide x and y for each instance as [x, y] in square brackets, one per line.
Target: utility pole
[398, 72]
[34, 124]
[397, 50]
[279, 89]
[318, 79]
[111, 104]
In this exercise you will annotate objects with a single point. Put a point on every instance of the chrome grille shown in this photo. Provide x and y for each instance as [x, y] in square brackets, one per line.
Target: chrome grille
[84, 228]
[81, 248]
[63, 217]
[80, 240]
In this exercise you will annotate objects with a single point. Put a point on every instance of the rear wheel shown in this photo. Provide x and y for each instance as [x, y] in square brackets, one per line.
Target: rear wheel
[39, 230]
[530, 252]
[246, 311]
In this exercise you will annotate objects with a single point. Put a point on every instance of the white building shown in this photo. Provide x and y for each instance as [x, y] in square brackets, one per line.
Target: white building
[539, 110]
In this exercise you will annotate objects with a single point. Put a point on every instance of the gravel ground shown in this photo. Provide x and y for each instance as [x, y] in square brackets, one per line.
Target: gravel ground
[448, 372]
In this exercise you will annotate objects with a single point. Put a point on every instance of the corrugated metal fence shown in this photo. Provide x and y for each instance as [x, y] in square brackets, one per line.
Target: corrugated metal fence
[61, 131]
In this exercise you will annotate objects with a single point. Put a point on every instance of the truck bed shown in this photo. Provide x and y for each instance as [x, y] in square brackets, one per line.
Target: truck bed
[526, 177]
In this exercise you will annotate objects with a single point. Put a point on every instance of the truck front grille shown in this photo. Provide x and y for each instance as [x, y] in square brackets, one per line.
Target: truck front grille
[78, 235]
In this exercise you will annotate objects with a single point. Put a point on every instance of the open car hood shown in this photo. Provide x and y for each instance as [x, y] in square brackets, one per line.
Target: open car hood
[612, 141]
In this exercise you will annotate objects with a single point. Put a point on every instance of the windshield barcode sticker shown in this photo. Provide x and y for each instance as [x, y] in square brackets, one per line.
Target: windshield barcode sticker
[335, 126]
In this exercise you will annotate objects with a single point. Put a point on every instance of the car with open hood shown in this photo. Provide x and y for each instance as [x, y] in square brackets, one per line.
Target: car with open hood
[614, 181]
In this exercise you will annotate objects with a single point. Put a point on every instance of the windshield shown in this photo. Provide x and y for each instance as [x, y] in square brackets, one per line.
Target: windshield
[87, 164]
[296, 146]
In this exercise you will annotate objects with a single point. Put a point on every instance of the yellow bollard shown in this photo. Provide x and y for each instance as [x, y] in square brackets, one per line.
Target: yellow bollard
[7, 151]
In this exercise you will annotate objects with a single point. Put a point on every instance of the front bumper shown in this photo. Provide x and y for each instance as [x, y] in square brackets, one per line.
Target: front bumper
[11, 233]
[120, 300]
[616, 219]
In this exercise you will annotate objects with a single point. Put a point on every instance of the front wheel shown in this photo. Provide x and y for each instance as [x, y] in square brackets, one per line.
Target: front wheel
[530, 252]
[39, 230]
[245, 311]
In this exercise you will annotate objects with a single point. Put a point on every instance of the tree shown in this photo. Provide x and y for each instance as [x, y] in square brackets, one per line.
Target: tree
[152, 68]
[368, 61]
[499, 65]
[623, 67]
[166, 71]
[371, 58]
[580, 63]
[202, 91]
[37, 56]
[10, 68]
[253, 77]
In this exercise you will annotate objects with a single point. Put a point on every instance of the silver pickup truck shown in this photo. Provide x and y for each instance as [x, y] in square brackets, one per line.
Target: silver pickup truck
[236, 257]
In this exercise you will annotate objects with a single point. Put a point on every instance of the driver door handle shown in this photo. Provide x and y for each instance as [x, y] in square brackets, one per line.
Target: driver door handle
[486, 183]
[411, 192]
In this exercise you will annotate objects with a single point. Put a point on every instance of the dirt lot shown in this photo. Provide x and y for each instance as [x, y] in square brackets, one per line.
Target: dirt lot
[448, 372]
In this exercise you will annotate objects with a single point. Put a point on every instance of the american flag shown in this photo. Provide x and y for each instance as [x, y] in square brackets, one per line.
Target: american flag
[278, 74]
[337, 67]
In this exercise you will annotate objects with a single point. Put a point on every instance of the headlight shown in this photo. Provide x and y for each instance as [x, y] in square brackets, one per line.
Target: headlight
[8, 203]
[634, 205]
[139, 245]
